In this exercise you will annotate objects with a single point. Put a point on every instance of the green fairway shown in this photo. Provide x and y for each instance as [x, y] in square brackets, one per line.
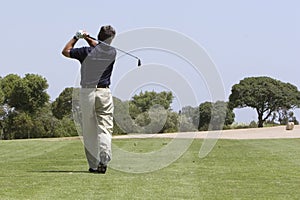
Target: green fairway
[235, 169]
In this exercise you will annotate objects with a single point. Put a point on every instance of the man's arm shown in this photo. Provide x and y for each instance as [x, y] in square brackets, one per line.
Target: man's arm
[70, 45]
[80, 34]
[90, 41]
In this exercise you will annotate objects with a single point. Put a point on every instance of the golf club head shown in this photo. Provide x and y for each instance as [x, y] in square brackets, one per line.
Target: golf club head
[139, 62]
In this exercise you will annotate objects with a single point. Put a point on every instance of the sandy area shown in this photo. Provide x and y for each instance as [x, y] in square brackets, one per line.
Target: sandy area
[239, 134]
[235, 134]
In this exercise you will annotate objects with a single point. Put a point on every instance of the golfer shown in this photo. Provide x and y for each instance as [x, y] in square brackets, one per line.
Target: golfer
[96, 103]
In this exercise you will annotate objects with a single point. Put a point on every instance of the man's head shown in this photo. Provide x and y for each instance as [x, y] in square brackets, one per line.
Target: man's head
[106, 34]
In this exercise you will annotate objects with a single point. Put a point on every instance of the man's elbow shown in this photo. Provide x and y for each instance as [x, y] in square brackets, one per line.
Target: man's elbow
[66, 53]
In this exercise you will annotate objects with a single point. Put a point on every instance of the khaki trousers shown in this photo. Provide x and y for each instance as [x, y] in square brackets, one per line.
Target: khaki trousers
[97, 124]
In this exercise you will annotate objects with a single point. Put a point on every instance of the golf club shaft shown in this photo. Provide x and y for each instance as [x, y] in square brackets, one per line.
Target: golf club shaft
[115, 48]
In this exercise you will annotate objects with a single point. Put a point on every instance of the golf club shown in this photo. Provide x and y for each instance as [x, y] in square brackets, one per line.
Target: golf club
[139, 60]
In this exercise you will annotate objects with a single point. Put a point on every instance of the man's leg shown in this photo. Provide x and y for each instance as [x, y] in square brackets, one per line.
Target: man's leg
[89, 126]
[104, 112]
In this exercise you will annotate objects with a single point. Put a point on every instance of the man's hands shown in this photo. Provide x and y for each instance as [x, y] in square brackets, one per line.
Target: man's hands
[85, 35]
[81, 34]
[78, 35]
[70, 45]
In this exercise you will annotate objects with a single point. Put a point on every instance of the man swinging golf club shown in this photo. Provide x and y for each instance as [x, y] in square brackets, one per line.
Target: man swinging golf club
[96, 102]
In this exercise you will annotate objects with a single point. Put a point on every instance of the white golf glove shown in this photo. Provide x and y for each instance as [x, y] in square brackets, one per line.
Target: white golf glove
[80, 34]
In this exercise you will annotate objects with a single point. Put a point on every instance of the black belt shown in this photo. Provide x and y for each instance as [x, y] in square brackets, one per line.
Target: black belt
[93, 86]
[102, 86]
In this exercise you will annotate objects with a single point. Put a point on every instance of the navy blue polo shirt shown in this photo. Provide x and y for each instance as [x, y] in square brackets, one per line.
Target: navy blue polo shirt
[96, 64]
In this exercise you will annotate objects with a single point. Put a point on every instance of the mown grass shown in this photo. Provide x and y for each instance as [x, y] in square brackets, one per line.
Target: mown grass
[235, 169]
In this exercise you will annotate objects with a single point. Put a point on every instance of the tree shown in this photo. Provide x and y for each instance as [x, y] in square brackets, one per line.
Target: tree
[2, 111]
[154, 120]
[144, 101]
[150, 112]
[171, 124]
[37, 91]
[283, 116]
[186, 124]
[6, 111]
[25, 111]
[192, 115]
[188, 119]
[44, 122]
[1, 94]
[123, 123]
[18, 126]
[215, 115]
[62, 106]
[7, 86]
[264, 94]
[205, 115]
[221, 107]
[22, 99]
[64, 128]
[27, 94]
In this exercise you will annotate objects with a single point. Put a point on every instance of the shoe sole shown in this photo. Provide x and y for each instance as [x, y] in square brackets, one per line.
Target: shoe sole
[102, 168]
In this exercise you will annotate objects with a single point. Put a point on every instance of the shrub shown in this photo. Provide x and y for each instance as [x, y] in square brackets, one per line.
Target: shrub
[65, 128]
[253, 124]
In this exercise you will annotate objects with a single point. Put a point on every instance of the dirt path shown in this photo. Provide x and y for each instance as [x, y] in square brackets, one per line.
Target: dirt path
[235, 134]
[238, 134]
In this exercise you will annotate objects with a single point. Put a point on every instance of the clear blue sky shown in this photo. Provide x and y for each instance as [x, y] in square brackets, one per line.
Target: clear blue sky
[244, 38]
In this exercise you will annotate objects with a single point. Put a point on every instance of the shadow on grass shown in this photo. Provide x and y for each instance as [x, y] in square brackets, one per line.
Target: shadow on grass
[60, 171]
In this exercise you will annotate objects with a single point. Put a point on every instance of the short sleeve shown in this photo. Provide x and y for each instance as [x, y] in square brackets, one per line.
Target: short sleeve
[80, 53]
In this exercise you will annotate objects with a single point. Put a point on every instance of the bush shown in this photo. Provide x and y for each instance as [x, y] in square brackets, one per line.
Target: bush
[20, 126]
[253, 124]
[239, 126]
[171, 125]
[117, 130]
[186, 124]
[204, 127]
[65, 128]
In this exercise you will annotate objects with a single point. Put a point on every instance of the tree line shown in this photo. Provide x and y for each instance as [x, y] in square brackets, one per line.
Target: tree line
[26, 110]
